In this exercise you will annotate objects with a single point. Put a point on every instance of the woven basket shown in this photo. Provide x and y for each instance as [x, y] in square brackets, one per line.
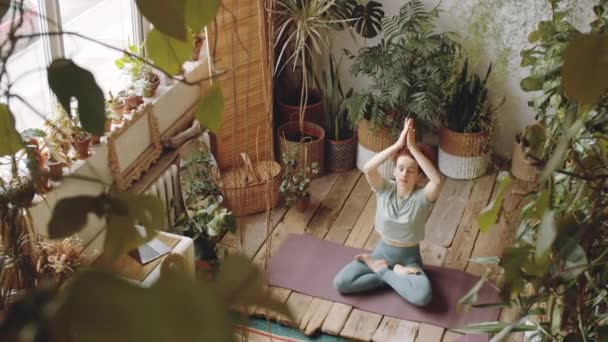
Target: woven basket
[306, 152]
[387, 169]
[464, 144]
[375, 141]
[340, 154]
[245, 188]
[521, 167]
[459, 167]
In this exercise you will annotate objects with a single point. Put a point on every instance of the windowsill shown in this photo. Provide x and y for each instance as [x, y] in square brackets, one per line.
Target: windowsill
[170, 103]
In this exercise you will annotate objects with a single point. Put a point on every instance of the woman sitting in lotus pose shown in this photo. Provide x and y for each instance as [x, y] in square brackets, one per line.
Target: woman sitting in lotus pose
[401, 211]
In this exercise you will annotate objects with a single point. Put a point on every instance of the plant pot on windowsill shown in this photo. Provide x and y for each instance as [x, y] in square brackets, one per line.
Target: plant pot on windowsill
[340, 155]
[131, 99]
[309, 148]
[81, 145]
[463, 155]
[289, 108]
[151, 83]
[55, 169]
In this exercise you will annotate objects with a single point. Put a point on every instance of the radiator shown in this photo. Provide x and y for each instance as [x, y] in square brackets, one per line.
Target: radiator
[167, 187]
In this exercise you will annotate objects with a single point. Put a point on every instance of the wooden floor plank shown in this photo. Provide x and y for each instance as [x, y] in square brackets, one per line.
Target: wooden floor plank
[345, 222]
[335, 200]
[395, 330]
[334, 322]
[449, 207]
[314, 316]
[468, 230]
[430, 333]
[361, 325]
[450, 336]
[364, 225]
[253, 231]
[297, 304]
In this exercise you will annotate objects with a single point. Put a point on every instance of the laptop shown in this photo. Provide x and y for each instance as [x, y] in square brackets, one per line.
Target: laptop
[151, 250]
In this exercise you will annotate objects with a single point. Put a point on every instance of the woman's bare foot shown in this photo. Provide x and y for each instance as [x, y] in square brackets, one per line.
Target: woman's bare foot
[373, 264]
[405, 270]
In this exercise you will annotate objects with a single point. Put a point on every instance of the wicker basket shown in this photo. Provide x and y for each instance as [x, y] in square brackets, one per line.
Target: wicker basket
[374, 141]
[306, 152]
[245, 188]
[463, 155]
[340, 154]
[464, 144]
[521, 167]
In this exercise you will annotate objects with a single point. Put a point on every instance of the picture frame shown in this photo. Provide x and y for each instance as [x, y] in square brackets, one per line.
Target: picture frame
[134, 147]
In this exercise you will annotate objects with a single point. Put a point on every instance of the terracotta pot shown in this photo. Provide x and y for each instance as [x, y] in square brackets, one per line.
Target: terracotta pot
[131, 101]
[119, 109]
[303, 203]
[313, 112]
[55, 170]
[82, 148]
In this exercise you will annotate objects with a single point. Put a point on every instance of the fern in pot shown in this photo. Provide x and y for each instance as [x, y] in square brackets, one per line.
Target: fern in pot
[465, 137]
[409, 69]
[341, 142]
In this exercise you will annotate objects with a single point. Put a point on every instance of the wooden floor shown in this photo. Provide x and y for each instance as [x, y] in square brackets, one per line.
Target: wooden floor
[342, 210]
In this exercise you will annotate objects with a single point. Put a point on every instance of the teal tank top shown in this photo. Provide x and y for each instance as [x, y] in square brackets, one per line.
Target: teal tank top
[401, 219]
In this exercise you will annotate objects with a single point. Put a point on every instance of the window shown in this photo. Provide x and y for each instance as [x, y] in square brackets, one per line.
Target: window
[26, 69]
[107, 21]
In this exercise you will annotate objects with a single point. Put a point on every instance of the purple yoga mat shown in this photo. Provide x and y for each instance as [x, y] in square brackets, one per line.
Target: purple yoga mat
[308, 265]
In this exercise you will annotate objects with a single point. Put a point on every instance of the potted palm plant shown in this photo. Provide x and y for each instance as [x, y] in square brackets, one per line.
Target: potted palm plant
[301, 32]
[409, 69]
[341, 142]
[465, 137]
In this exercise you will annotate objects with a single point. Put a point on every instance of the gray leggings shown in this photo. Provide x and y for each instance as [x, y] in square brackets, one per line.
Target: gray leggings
[357, 277]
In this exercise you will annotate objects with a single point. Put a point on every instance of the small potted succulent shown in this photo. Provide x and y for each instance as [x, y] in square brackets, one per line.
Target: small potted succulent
[149, 81]
[117, 104]
[57, 159]
[295, 181]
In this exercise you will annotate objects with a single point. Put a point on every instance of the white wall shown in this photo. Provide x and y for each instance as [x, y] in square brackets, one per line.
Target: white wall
[502, 28]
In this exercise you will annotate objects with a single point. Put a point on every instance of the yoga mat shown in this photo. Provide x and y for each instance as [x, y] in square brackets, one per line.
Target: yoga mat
[308, 265]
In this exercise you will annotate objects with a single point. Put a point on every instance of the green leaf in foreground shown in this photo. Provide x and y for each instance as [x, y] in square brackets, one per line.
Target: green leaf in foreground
[68, 80]
[11, 140]
[166, 16]
[489, 215]
[168, 53]
[211, 108]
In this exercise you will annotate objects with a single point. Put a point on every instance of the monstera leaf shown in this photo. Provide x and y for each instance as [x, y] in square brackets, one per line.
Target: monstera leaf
[368, 17]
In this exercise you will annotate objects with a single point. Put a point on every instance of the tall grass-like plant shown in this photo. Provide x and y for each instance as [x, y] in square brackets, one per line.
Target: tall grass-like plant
[301, 34]
[333, 99]
[468, 108]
